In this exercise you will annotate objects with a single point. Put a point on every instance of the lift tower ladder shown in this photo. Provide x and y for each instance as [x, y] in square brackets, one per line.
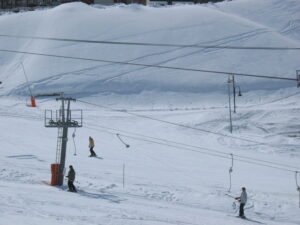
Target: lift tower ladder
[59, 144]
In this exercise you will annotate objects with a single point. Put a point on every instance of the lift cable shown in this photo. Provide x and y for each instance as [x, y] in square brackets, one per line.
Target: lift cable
[152, 66]
[178, 124]
[194, 147]
[192, 150]
[173, 143]
[119, 131]
[154, 44]
[188, 149]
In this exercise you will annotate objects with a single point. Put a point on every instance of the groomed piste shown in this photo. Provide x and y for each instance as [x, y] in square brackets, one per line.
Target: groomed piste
[175, 122]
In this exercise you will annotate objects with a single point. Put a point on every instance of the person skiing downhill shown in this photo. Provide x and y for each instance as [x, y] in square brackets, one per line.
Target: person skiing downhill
[91, 146]
[71, 179]
[243, 200]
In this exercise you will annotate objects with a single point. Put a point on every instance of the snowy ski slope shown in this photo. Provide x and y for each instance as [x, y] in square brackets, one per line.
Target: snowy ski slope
[173, 174]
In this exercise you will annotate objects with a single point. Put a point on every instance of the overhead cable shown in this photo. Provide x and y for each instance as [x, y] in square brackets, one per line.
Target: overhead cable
[151, 66]
[178, 124]
[210, 150]
[201, 152]
[154, 44]
[187, 147]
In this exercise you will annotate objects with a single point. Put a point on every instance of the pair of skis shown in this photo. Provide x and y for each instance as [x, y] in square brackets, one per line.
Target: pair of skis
[97, 157]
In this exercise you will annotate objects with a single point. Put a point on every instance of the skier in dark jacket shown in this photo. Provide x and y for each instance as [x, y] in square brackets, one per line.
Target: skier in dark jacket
[71, 179]
[243, 200]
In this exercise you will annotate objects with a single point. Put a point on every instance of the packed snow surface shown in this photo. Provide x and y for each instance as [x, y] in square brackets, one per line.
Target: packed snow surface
[176, 122]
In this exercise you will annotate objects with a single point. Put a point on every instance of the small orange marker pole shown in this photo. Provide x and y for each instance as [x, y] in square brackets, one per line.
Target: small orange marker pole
[33, 101]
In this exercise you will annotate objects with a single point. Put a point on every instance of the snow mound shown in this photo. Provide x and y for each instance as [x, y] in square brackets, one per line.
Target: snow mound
[211, 24]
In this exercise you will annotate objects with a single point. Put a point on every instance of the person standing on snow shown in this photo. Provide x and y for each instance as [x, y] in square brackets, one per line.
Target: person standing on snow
[91, 146]
[243, 200]
[71, 179]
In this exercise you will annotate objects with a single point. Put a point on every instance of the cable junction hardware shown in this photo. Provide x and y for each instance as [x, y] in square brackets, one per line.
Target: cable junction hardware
[230, 171]
[73, 137]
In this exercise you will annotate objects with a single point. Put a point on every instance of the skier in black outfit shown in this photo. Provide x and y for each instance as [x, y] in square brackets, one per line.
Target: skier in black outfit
[71, 179]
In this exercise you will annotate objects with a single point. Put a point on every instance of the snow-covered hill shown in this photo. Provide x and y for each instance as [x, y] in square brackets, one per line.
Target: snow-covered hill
[174, 174]
[208, 24]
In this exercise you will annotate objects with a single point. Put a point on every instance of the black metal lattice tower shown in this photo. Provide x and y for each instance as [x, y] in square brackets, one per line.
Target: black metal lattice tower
[62, 119]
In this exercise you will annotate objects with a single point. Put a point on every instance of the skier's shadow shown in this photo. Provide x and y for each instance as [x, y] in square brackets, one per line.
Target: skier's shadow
[108, 197]
[254, 221]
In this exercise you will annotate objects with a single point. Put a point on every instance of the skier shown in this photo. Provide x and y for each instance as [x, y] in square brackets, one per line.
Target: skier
[243, 200]
[91, 146]
[71, 178]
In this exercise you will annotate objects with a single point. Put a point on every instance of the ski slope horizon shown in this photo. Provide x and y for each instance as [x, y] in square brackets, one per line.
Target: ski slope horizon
[176, 123]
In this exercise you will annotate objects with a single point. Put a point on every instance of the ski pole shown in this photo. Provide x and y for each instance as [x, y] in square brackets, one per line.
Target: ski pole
[230, 196]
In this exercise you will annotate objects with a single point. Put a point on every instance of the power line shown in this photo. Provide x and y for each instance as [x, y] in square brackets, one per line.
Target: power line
[151, 66]
[193, 146]
[197, 151]
[155, 44]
